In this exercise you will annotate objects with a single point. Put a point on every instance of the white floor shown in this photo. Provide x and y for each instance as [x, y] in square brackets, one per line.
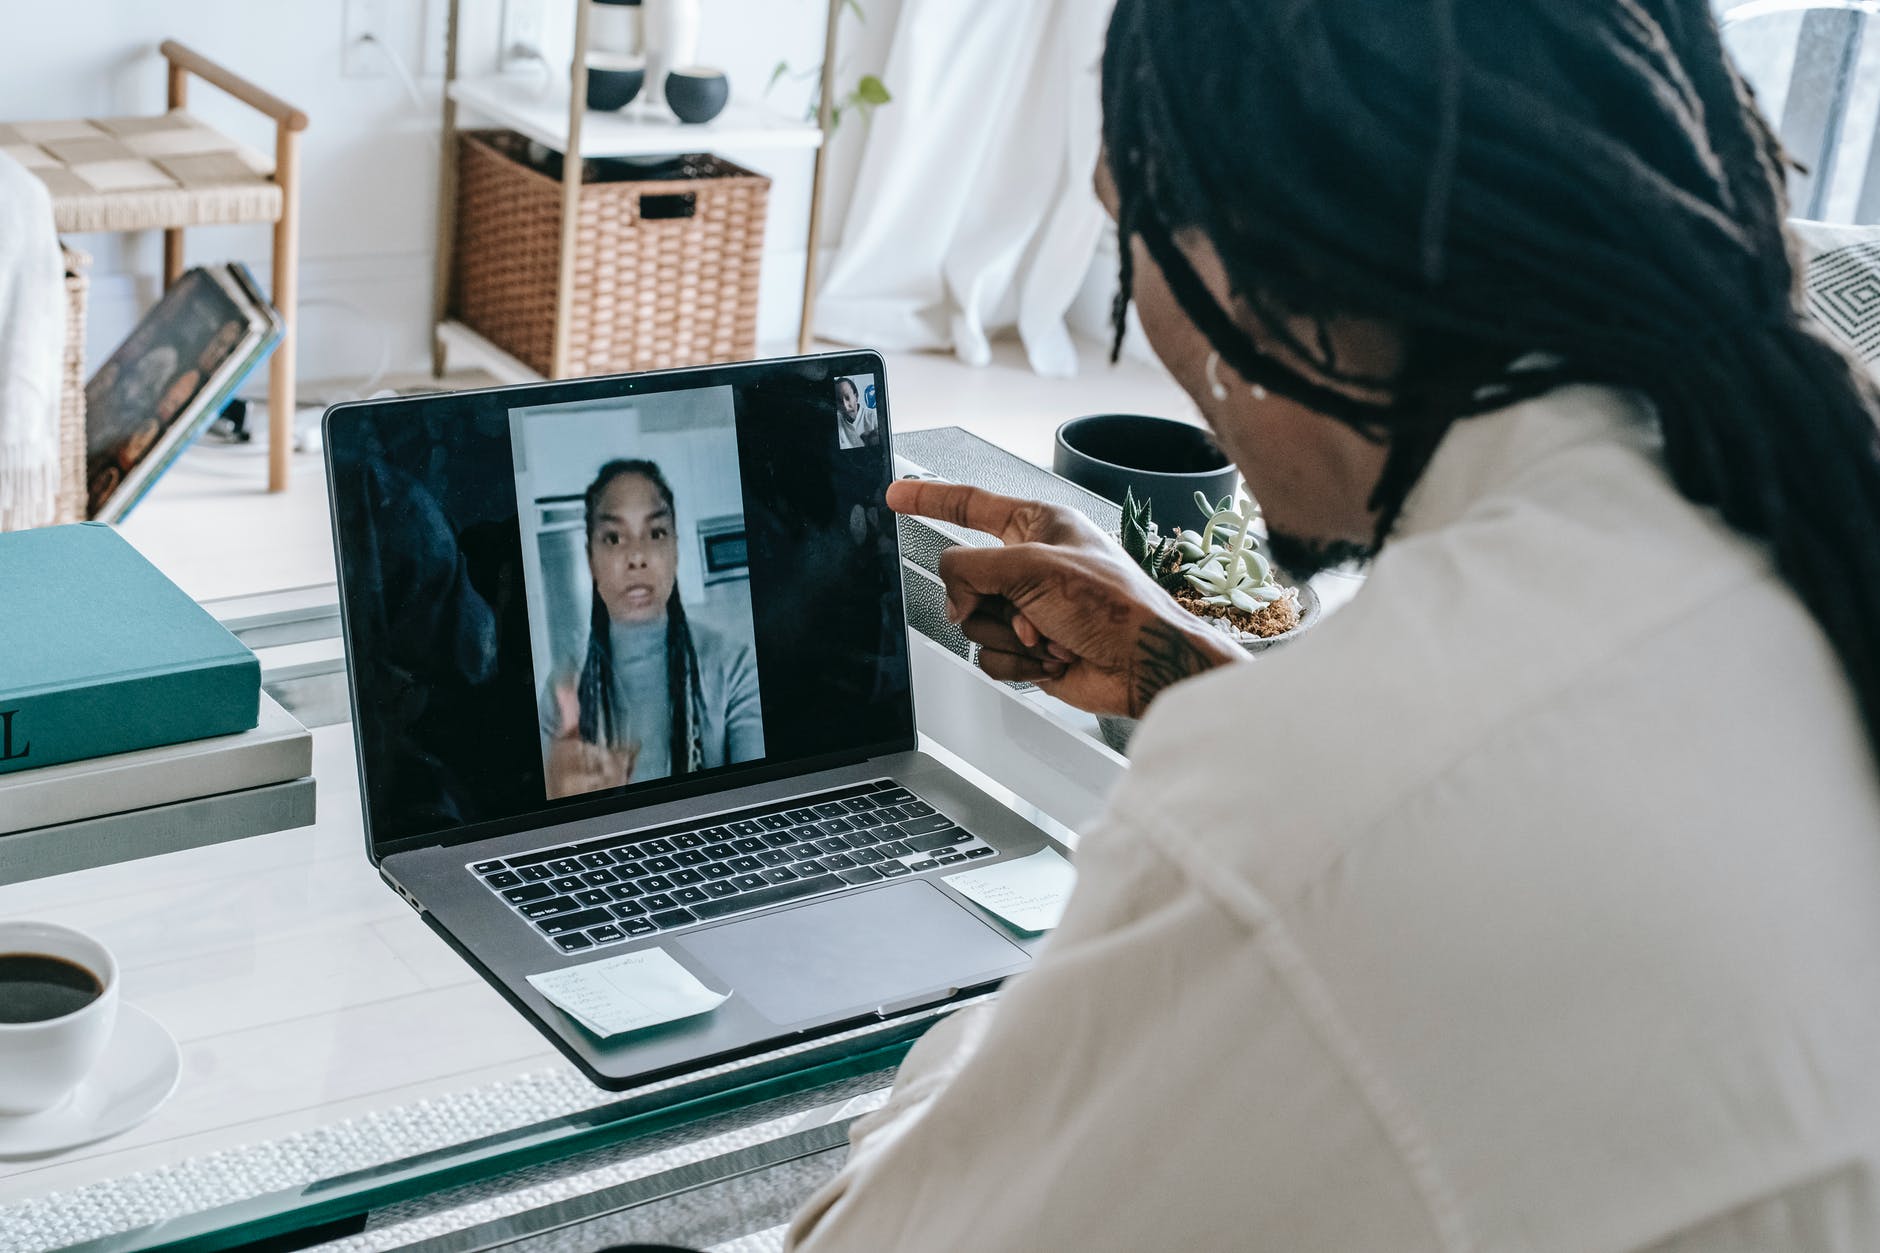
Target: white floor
[213, 528]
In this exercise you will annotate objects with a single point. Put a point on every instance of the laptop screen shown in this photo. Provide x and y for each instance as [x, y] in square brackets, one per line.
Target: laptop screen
[572, 598]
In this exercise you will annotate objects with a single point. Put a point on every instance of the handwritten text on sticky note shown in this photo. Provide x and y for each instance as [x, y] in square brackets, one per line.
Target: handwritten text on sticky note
[628, 992]
[1028, 893]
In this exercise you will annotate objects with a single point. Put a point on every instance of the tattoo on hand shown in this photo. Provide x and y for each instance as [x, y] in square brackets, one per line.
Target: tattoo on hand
[1164, 655]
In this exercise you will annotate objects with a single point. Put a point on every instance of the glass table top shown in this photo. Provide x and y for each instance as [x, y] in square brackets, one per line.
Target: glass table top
[340, 1061]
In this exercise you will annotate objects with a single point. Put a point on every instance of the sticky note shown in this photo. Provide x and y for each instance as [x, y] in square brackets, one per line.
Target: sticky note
[1029, 893]
[625, 993]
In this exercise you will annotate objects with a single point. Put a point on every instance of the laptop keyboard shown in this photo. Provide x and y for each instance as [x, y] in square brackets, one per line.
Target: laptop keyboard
[626, 887]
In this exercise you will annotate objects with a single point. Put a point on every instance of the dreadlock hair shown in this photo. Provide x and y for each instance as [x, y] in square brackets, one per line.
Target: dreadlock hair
[600, 722]
[1532, 193]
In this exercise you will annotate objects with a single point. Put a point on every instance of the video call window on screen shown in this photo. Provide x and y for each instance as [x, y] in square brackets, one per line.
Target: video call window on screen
[742, 568]
[637, 584]
[857, 423]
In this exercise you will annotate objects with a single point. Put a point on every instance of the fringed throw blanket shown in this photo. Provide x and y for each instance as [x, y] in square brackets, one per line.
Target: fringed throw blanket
[32, 341]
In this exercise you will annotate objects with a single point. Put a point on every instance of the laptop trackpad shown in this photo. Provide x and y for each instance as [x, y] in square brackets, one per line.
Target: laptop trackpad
[852, 954]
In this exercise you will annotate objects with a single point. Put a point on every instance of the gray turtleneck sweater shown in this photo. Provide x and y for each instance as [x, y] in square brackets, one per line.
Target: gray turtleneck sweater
[731, 720]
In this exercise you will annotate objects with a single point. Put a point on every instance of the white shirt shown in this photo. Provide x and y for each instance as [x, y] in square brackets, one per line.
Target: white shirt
[1531, 902]
[859, 433]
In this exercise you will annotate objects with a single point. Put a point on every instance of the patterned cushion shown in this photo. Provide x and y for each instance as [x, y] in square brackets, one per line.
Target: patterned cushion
[1841, 284]
[143, 173]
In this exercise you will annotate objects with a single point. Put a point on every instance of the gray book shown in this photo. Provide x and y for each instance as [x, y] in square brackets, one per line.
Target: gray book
[277, 750]
[158, 829]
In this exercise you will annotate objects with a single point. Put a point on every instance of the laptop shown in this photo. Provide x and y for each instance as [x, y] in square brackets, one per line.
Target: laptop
[629, 670]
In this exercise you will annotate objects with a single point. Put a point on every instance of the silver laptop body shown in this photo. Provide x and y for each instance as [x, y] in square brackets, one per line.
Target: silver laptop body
[778, 833]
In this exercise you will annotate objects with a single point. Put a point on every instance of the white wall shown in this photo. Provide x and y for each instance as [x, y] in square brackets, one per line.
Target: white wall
[370, 155]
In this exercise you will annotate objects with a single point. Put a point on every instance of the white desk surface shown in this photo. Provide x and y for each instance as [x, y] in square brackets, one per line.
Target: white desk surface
[301, 989]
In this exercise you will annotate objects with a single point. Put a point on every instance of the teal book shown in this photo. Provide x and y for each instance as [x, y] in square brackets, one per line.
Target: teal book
[100, 654]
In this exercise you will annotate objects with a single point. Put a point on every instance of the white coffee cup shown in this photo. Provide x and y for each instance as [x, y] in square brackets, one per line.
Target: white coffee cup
[43, 1062]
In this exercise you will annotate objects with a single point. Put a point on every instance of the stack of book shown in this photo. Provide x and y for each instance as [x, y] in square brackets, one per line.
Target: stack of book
[131, 722]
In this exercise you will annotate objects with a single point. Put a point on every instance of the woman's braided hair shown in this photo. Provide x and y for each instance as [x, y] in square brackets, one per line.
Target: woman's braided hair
[1534, 193]
[600, 722]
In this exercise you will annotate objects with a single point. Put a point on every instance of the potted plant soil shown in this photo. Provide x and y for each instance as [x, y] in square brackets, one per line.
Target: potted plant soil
[1219, 575]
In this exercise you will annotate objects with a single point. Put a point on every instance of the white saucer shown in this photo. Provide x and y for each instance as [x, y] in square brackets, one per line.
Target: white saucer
[138, 1072]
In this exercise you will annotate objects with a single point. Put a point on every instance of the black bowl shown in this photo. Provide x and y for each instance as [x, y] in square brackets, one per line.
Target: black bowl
[1157, 459]
[610, 89]
[697, 95]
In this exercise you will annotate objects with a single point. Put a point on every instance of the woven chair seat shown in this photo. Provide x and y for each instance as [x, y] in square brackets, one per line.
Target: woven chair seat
[143, 173]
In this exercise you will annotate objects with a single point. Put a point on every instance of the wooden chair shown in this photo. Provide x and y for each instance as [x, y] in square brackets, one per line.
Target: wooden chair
[172, 172]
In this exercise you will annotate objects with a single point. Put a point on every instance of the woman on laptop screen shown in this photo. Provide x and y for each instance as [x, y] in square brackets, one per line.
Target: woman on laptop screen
[655, 695]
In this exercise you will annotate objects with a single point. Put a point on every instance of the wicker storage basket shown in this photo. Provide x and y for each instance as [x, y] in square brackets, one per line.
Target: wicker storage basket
[665, 271]
[71, 506]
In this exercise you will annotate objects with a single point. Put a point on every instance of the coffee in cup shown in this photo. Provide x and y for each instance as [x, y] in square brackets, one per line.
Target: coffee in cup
[36, 986]
[58, 1008]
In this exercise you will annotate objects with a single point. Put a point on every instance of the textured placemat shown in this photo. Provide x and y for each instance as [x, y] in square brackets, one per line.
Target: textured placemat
[203, 1183]
[757, 1242]
[763, 1197]
[229, 1176]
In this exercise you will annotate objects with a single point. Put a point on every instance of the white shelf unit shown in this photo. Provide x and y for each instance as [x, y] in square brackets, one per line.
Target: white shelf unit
[557, 117]
[639, 130]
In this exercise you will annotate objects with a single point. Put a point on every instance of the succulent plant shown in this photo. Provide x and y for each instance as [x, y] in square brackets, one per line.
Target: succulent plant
[1141, 543]
[1222, 561]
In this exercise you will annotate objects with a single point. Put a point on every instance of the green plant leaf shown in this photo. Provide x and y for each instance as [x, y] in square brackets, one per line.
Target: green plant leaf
[855, 7]
[783, 67]
[872, 91]
[1132, 533]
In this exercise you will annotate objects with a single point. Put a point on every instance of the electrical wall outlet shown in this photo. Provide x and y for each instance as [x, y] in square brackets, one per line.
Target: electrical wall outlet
[525, 29]
[364, 21]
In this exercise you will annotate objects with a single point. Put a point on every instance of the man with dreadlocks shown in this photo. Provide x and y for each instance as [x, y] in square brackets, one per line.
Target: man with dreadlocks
[1533, 900]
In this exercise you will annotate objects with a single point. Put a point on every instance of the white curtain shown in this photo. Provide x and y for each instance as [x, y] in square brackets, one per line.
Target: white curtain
[973, 210]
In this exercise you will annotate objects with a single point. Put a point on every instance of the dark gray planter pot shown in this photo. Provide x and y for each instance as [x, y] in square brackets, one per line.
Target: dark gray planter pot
[613, 81]
[697, 95]
[1158, 459]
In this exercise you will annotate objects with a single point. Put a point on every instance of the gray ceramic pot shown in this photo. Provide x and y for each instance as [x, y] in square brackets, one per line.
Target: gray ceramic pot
[697, 95]
[1116, 732]
[613, 80]
[1158, 459]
